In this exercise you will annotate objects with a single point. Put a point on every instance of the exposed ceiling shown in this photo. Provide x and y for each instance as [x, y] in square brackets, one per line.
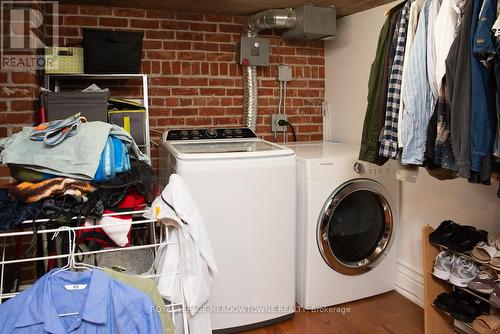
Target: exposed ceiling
[234, 7]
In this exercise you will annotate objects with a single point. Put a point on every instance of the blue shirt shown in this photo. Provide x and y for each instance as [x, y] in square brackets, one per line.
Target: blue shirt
[418, 99]
[104, 306]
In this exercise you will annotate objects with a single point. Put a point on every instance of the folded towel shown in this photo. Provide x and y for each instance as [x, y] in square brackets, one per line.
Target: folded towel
[114, 160]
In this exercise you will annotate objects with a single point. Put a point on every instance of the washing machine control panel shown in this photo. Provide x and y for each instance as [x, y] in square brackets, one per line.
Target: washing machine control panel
[209, 133]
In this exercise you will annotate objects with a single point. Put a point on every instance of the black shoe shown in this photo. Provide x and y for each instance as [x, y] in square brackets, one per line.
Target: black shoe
[465, 238]
[446, 301]
[443, 233]
[461, 305]
[468, 309]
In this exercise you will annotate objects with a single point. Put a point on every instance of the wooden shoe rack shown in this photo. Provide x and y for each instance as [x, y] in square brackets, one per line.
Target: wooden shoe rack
[435, 320]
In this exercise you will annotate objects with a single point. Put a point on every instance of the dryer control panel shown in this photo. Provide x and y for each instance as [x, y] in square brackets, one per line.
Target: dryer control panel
[209, 134]
[373, 170]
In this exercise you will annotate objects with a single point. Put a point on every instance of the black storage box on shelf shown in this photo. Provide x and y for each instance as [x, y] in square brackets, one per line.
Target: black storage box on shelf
[132, 121]
[129, 115]
[109, 51]
[92, 105]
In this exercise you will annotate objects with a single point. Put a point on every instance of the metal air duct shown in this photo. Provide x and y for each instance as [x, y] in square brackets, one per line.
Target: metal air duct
[272, 18]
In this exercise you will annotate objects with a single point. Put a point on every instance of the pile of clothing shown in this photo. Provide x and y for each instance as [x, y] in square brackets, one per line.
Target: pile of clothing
[434, 89]
[71, 168]
[95, 172]
[97, 152]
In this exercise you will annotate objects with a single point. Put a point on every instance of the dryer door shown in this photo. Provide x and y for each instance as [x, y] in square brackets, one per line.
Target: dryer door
[356, 226]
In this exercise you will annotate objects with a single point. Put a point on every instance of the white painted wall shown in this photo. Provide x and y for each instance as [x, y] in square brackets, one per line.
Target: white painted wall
[429, 201]
[348, 62]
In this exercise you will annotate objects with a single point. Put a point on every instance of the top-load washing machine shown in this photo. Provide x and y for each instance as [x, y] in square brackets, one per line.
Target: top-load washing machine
[347, 216]
[245, 189]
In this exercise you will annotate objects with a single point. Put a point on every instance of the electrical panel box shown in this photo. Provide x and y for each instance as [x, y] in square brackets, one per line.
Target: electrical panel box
[313, 22]
[284, 73]
[254, 51]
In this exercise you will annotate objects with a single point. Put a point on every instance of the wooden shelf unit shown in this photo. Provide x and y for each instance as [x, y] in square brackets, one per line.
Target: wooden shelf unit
[435, 321]
[55, 81]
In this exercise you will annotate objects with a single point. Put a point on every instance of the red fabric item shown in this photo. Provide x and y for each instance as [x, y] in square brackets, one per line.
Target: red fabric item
[132, 201]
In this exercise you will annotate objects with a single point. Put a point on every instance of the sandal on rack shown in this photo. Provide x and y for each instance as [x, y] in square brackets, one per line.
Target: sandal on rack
[495, 260]
[483, 252]
[487, 324]
[494, 240]
[485, 281]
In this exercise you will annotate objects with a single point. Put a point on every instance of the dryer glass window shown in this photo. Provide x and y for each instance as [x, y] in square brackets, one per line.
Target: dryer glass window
[356, 226]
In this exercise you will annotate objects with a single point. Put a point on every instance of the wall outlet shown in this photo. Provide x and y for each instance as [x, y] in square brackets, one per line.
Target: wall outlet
[274, 122]
[284, 73]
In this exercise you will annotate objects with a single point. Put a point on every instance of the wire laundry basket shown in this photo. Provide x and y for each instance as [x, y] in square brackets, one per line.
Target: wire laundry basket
[159, 236]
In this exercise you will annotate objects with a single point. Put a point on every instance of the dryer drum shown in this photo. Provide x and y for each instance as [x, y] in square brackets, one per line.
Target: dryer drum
[356, 226]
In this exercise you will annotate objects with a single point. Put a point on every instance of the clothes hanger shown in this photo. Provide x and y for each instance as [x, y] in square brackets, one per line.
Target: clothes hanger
[68, 264]
[72, 264]
[81, 265]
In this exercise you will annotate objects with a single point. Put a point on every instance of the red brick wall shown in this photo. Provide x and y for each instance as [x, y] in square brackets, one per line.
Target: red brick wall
[194, 78]
[18, 93]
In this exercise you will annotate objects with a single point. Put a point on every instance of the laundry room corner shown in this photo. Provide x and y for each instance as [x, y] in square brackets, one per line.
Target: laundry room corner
[425, 202]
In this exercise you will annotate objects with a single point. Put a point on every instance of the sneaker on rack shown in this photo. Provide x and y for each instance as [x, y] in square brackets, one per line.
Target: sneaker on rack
[443, 264]
[463, 271]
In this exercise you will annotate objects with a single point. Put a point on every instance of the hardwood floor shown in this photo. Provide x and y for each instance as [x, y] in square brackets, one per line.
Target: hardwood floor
[386, 313]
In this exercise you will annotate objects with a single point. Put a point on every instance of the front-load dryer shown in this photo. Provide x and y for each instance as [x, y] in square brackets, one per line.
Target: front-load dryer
[347, 216]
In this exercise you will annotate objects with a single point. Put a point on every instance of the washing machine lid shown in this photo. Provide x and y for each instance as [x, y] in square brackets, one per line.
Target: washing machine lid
[226, 149]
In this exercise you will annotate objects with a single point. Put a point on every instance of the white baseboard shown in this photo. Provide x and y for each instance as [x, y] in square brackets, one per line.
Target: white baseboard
[410, 283]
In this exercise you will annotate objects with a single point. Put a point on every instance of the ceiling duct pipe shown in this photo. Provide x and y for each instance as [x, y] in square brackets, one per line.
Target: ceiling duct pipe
[271, 18]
